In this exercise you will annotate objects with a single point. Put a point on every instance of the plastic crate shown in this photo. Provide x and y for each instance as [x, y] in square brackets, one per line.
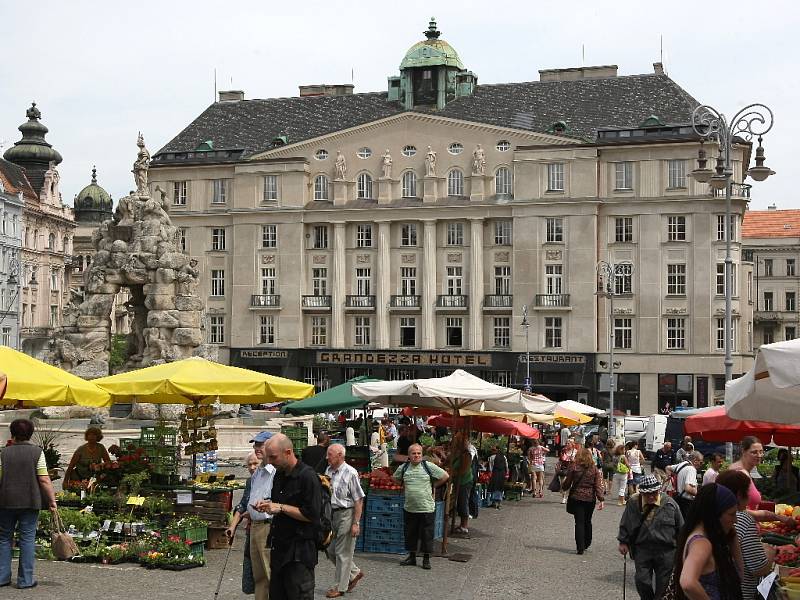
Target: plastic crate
[198, 549]
[384, 504]
[195, 534]
[384, 548]
[158, 436]
[393, 536]
[124, 443]
[438, 521]
[384, 520]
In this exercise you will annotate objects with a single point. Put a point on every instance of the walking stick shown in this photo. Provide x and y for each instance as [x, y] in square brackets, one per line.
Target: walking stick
[225, 564]
[624, 574]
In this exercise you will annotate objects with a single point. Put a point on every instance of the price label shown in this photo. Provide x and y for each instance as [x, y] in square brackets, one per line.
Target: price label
[117, 527]
[135, 500]
[106, 525]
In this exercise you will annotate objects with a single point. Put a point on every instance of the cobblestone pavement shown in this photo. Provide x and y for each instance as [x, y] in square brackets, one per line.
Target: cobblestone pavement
[526, 549]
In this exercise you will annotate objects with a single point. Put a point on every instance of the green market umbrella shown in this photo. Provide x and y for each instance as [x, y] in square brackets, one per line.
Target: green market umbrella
[332, 400]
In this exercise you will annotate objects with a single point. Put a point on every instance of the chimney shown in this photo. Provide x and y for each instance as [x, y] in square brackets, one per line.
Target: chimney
[323, 89]
[578, 73]
[772, 206]
[231, 95]
[658, 68]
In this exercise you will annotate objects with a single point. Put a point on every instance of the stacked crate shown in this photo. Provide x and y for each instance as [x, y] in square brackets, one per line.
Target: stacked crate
[358, 457]
[161, 446]
[383, 523]
[298, 435]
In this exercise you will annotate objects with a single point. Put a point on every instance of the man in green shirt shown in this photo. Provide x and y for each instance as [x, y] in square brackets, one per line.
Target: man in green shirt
[419, 479]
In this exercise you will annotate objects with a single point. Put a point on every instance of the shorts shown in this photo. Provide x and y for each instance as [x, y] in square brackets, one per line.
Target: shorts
[537, 468]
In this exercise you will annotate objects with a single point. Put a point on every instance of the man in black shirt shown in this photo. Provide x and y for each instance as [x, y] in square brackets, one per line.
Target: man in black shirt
[296, 505]
[663, 458]
[407, 438]
[315, 456]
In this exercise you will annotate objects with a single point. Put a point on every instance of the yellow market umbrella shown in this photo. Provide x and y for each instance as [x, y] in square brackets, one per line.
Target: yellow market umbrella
[32, 383]
[199, 381]
[569, 418]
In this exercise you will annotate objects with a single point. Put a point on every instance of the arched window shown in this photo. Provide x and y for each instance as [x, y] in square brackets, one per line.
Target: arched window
[51, 241]
[364, 186]
[455, 183]
[321, 187]
[35, 244]
[502, 182]
[409, 184]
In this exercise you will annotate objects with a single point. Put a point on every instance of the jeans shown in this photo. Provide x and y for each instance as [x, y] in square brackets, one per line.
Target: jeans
[25, 519]
[583, 524]
[293, 581]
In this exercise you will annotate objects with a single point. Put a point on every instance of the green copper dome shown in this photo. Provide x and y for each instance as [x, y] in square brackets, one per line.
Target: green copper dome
[32, 147]
[93, 203]
[431, 52]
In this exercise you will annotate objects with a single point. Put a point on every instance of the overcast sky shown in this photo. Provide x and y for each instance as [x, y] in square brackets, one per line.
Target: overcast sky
[102, 71]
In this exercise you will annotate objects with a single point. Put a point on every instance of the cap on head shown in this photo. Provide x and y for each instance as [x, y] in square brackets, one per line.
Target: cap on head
[649, 484]
[260, 437]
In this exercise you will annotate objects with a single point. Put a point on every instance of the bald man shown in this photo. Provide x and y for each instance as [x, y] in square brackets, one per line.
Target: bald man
[295, 506]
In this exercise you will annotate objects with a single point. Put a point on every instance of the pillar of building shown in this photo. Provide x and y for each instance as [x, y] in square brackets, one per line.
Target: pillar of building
[384, 285]
[476, 285]
[338, 289]
[429, 286]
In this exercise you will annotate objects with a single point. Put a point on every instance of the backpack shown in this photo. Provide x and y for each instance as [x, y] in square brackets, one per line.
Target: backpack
[671, 484]
[425, 466]
[323, 532]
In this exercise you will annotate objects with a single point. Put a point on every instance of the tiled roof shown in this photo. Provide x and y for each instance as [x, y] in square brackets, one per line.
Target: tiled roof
[771, 224]
[585, 105]
[15, 180]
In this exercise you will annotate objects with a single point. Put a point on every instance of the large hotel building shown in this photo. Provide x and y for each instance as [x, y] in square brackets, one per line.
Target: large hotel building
[400, 233]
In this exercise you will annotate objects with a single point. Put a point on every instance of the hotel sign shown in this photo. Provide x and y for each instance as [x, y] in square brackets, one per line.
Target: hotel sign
[433, 359]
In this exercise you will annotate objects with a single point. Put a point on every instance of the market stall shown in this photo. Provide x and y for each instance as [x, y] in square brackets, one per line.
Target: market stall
[714, 425]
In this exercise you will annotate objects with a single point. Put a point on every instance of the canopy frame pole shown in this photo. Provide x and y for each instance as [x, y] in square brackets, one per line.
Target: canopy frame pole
[196, 405]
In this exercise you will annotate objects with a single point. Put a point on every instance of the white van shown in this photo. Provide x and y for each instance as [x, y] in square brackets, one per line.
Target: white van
[635, 429]
[656, 432]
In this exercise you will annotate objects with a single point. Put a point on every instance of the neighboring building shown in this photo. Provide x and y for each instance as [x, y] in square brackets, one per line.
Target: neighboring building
[47, 230]
[325, 256]
[771, 241]
[13, 185]
[92, 206]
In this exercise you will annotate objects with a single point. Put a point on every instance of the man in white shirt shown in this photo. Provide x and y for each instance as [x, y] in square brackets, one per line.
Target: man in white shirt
[564, 436]
[347, 502]
[686, 481]
[260, 489]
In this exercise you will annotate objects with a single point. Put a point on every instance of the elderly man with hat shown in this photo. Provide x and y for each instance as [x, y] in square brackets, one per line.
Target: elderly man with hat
[260, 489]
[648, 531]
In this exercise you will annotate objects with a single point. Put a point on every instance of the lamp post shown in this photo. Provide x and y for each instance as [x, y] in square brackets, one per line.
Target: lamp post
[526, 325]
[707, 122]
[607, 273]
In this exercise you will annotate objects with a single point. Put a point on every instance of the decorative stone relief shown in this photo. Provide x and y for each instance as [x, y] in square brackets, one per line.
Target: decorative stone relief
[501, 257]
[454, 257]
[553, 255]
[319, 259]
[362, 258]
[268, 259]
[675, 311]
[408, 259]
[623, 311]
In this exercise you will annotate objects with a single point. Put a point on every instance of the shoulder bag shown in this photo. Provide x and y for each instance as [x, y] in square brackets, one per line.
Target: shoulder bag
[64, 547]
[570, 500]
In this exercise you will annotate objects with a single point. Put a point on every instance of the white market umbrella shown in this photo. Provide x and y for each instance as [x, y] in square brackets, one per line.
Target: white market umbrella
[580, 408]
[770, 390]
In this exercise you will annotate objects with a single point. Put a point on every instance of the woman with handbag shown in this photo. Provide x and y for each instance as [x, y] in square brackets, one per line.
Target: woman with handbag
[565, 459]
[583, 485]
[619, 481]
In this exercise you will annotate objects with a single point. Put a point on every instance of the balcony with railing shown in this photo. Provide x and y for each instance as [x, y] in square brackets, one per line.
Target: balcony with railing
[552, 301]
[457, 302]
[316, 303]
[265, 301]
[738, 190]
[409, 303]
[498, 302]
[359, 302]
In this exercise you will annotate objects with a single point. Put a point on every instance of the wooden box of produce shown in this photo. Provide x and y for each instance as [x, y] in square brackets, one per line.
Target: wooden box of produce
[217, 540]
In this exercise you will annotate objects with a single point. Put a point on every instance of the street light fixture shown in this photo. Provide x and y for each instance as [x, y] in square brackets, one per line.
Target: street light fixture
[526, 325]
[708, 123]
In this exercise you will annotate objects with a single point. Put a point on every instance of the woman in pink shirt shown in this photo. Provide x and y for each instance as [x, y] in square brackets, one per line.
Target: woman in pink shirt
[752, 454]
[536, 460]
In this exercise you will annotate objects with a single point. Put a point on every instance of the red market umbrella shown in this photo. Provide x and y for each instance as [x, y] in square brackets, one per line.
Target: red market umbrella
[714, 425]
[493, 425]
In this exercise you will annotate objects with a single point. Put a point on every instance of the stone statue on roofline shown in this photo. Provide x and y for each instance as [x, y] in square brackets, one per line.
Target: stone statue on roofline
[140, 167]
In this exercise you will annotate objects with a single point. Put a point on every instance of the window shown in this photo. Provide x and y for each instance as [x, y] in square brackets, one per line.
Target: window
[623, 229]
[676, 229]
[54, 280]
[503, 146]
[454, 331]
[553, 278]
[54, 316]
[502, 233]
[455, 234]
[721, 228]
[4, 223]
[266, 329]
[555, 177]
[179, 193]
[768, 304]
[750, 287]
[790, 267]
[676, 174]
[554, 229]
[720, 281]
[502, 182]
[270, 188]
[502, 281]
[791, 303]
[268, 281]
[321, 187]
[454, 281]
[552, 332]
[676, 280]
[319, 331]
[51, 242]
[401, 374]
[769, 336]
[364, 186]
[319, 281]
[623, 175]
[321, 154]
[217, 282]
[218, 238]
[504, 378]
[676, 333]
[364, 152]
[408, 281]
[363, 331]
[408, 331]
[502, 332]
[674, 389]
[363, 281]
[269, 236]
[721, 334]
[364, 235]
[5, 338]
[320, 236]
[623, 279]
[455, 183]
[318, 377]
[216, 329]
[408, 234]
[409, 151]
[768, 267]
[455, 148]
[220, 191]
[790, 333]
[623, 333]
[409, 184]
[182, 239]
